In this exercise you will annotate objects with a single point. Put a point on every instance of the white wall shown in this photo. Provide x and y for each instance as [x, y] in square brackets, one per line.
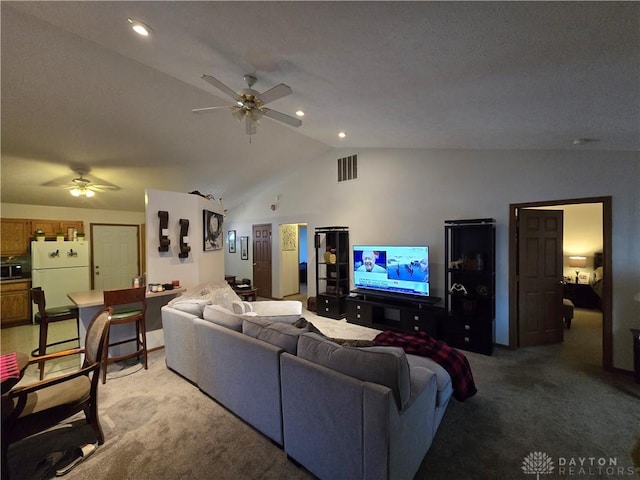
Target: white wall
[404, 196]
[163, 267]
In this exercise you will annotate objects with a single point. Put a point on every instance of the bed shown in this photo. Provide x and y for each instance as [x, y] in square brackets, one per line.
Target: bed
[587, 295]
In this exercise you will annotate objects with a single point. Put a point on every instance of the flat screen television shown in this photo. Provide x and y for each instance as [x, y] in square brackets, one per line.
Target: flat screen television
[391, 269]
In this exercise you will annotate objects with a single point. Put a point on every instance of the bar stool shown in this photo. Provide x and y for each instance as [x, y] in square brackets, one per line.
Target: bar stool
[129, 306]
[44, 317]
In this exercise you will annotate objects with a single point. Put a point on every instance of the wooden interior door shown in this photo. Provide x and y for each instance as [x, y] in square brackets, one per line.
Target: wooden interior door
[262, 259]
[540, 277]
[115, 258]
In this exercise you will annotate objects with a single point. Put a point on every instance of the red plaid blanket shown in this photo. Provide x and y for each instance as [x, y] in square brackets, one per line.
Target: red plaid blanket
[452, 360]
[9, 366]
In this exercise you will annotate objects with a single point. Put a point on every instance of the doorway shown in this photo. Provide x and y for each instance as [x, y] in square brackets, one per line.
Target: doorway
[115, 257]
[514, 320]
[262, 259]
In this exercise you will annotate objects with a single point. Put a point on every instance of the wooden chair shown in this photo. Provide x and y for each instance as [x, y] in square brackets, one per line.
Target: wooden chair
[44, 317]
[129, 306]
[37, 407]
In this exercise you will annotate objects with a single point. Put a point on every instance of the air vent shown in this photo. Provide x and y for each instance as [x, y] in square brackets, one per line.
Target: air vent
[348, 168]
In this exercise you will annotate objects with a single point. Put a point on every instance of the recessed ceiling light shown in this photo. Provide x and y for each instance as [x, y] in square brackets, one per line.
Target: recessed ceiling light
[300, 113]
[582, 141]
[342, 134]
[139, 27]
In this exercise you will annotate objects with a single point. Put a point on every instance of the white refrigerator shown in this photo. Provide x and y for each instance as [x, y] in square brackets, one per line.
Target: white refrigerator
[60, 268]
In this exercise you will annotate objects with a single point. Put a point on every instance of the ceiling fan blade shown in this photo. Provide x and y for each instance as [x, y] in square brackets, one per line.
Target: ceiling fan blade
[251, 125]
[58, 182]
[275, 93]
[282, 117]
[220, 86]
[208, 109]
[100, 187]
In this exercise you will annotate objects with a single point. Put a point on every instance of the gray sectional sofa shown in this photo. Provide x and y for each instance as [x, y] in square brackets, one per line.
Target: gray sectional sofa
[340, 412]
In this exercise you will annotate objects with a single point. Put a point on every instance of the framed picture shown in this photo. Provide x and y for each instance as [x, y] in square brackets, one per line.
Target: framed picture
[289, 237]
[211, 230]
[231, 240]
[244, 248]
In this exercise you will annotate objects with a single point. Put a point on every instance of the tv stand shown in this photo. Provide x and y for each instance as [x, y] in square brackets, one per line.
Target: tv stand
[395, 312]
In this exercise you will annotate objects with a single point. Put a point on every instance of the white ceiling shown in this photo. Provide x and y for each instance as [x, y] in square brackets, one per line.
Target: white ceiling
[79, 88]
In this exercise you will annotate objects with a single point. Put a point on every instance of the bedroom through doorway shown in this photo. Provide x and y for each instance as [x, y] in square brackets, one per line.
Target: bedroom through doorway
[587, 232]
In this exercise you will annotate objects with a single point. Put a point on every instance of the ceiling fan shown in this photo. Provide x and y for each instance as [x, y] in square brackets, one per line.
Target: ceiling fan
[81, 186]
[250, 104]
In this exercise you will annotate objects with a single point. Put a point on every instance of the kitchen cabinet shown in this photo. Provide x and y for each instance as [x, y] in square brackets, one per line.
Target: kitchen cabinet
[15, 304]
[51, 227]
[66, 224]
[15, 233]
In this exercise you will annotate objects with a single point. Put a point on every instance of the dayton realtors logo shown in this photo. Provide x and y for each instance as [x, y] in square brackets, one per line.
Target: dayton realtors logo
[539, 463]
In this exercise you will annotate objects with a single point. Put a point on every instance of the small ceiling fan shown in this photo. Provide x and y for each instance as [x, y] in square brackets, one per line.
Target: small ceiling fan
[250, 104]
[81, 186]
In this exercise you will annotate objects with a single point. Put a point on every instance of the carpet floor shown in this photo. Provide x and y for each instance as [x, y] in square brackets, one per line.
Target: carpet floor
[555, 400]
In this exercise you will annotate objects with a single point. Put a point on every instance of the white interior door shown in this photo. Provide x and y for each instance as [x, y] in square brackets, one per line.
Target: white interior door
[115, 256]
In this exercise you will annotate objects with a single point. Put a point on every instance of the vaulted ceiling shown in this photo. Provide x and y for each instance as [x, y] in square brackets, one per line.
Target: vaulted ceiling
[79, 88]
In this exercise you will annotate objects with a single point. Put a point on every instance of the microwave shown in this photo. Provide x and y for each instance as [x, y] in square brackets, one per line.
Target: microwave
[11, 270]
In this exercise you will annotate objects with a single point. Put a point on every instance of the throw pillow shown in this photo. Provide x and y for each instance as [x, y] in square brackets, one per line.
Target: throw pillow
[386, 366]
[222, 294]
[220, 316]
[239, 307]
[190, 305]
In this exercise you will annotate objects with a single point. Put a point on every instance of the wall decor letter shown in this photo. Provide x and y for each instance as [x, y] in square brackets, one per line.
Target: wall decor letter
[184, 238]
[163, 234]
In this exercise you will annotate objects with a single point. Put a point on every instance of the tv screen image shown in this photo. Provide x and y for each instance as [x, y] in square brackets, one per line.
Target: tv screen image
[393, 269]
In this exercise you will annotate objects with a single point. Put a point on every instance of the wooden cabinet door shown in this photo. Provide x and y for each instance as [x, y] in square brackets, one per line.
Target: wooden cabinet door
[49, 227]
[15, 235]
[65, 224]
[15, 304]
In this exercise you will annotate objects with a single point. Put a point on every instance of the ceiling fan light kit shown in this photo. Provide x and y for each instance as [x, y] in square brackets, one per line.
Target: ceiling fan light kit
[82, 192]
[81, 186]
[139, 27]
[250, 104]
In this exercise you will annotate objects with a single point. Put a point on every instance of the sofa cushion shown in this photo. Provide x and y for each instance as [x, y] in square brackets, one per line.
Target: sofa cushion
[223, 317]
[279, 334]
[386, 366]
[190, 305]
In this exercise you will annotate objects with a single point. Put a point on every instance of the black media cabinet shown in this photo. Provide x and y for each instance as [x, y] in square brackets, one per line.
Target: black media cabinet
[397, 314]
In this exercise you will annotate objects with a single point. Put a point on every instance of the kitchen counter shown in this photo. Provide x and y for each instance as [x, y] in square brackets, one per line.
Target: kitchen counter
[91, 302]
[94, 298]
[15, 280]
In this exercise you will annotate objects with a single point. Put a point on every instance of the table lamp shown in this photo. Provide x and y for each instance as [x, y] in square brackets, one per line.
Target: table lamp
[577, 262]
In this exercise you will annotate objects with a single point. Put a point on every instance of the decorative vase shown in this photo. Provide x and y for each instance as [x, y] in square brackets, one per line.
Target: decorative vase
[59, 237]
[40, 238]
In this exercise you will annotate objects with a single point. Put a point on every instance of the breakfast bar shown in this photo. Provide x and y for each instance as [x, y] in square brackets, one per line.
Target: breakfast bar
[92, 301]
